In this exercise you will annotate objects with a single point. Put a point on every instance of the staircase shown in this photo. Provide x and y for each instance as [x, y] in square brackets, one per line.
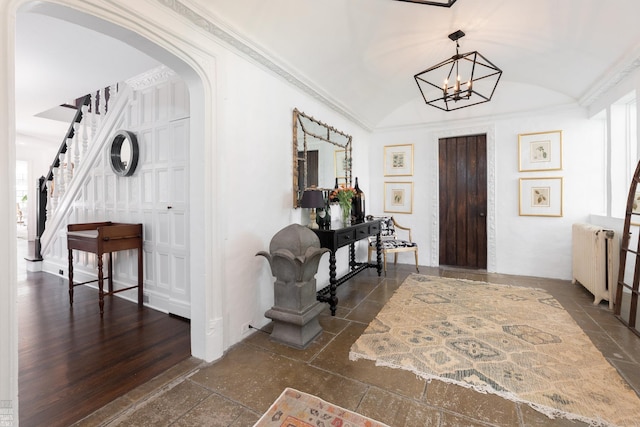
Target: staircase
[88, 133]
[81, 186]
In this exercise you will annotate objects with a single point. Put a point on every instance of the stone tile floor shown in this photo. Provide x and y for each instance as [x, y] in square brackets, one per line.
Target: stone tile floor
[238, 388]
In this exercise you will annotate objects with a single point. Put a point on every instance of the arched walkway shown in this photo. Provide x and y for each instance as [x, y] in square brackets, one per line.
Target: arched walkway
[156, 40]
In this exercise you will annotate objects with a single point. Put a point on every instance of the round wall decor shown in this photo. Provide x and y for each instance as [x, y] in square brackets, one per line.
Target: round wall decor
[124, 152]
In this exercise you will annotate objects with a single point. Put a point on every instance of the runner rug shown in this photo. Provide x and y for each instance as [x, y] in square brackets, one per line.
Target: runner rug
[515, 342]
[297, 409]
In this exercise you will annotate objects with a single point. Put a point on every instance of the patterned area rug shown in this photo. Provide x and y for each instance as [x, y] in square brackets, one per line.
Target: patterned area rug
[297, 409]
[516, 342]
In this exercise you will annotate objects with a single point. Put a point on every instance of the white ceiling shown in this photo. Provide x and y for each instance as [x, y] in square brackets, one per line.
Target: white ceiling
[57, 62]
[366, 52]
[363, 54]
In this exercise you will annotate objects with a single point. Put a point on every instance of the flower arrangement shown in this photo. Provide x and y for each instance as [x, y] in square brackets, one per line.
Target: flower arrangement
[344, 195]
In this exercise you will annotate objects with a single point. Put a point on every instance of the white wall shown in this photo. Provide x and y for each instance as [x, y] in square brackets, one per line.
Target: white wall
[541, 246]
[524, 245]
[256, 124]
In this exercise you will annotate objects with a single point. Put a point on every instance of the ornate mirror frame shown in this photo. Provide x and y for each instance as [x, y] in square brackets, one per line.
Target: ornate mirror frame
[308, 132]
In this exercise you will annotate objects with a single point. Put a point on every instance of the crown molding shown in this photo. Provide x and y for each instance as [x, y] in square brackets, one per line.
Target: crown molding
[150, 78]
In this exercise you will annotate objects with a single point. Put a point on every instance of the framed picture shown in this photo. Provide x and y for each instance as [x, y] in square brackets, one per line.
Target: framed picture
[541, 151]
[398, 197]
[541, 196]
[398, 160]
[340, 161]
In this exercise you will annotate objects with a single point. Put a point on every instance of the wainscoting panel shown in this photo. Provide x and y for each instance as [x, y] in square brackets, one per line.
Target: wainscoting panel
[180, 267]
[162, 188]
[162, 145]
[163, 270]
[162, 229]
[145, 141]
[157, 195]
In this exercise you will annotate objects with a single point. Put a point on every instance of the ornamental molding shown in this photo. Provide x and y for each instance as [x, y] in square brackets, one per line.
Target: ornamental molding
[151, 78]
[614, 77]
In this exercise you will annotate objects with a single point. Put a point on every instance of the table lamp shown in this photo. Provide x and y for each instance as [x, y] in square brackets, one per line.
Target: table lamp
[312, 199]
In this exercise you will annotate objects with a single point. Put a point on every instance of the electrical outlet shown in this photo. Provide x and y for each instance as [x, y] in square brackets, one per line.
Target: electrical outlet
[245, 328]
[61, 272]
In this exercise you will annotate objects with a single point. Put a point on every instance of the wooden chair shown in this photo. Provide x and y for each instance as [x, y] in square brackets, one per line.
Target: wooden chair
[391, 243]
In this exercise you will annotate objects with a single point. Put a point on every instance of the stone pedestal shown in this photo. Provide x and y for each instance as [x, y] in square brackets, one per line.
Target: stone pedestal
[294, 254]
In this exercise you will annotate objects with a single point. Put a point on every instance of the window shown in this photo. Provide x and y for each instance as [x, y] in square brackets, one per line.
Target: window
[22, 185]
[623, 151]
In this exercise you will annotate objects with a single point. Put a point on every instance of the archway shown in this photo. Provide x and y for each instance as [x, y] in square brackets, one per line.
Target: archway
[123, 24]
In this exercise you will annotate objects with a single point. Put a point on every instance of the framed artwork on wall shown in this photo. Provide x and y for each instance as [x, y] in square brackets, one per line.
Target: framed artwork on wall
[398, 160]
[540, 151]
[540, 196]
[340, 163]
[398, 197]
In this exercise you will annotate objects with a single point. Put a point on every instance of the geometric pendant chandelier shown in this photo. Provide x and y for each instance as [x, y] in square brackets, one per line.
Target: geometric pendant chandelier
[443, 3]
[461, 81]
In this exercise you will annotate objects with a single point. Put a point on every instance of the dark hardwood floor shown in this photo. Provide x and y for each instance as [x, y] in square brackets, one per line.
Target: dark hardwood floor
[72, 362]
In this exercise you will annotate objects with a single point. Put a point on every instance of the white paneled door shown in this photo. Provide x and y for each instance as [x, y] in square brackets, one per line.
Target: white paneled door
[165, 203]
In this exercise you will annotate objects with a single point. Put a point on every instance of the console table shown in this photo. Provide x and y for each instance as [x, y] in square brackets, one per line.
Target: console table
[100, 238]
[333, 239]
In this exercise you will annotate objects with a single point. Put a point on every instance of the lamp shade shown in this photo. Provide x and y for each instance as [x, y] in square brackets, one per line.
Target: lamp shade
[312, 199]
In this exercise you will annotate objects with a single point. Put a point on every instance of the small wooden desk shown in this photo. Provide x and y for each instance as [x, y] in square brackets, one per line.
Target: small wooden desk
[100, 238]
[334, 239]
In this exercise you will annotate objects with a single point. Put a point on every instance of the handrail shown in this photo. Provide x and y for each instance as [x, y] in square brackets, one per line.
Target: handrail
[41, 200]
[77, 118]
[110, 117]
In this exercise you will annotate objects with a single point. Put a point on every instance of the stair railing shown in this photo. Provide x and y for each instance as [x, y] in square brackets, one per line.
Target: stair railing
[51, 187]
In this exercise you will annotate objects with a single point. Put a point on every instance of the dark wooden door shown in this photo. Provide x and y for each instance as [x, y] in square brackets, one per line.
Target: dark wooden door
[312, 169]
[463, 201]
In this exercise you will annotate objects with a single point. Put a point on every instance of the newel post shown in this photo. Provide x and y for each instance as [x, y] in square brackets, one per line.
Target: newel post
[41, 212]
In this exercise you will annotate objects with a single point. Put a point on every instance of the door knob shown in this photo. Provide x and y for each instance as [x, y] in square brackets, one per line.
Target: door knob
[481, 213]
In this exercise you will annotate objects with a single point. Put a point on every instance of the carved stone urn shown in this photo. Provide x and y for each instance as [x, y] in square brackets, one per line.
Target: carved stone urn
[294, 254]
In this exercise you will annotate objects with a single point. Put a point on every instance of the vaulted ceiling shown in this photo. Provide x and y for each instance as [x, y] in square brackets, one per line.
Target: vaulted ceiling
[362, 54]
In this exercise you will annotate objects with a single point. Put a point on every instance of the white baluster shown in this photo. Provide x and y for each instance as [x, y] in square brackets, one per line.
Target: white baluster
[49, 210]
[68, 167]
[56, 191]
[94, 124]
[76, 146]
[85, 136]
[104, 107]
[103, 103]
[113, 91]
[60, 183]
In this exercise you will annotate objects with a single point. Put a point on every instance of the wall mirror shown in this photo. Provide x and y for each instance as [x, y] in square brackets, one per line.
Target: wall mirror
[124, 152]
[321, 154]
